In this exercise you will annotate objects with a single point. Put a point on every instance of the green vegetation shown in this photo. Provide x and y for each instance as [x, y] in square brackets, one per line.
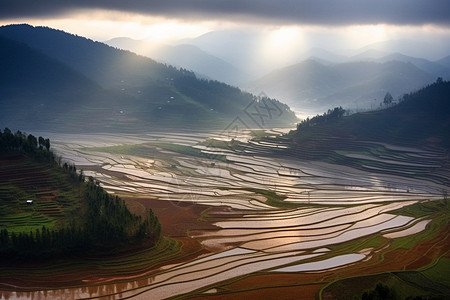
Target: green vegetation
[437, 211]
[389, 286]
[424, 208]
[420, 117]
[428, 282]
[335, 114]
[439, 271]
[273, 199]
[49, 210]
[233, 145]
[380, 291]
[261, 134]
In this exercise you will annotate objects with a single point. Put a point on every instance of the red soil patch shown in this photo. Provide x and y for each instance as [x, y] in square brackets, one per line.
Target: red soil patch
[176, 218]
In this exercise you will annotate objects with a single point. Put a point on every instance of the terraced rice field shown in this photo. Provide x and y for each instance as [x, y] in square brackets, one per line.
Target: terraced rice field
[22, 179]
[274, 214]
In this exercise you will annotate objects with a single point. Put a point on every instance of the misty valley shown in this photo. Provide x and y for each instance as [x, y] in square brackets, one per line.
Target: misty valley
[126, 178]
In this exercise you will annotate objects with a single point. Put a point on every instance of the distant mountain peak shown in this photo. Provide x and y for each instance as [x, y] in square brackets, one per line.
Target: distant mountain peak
[186, 56]
[370, 54]
[314, 86]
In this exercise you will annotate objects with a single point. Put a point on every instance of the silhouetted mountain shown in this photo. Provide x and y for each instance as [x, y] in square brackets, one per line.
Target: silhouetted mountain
[434, 68]
[23, 67]
[316, 86]
[433, 50]
[97, 61]
[185, 56]
[111, 89]
[421, 118]
[236, 47]
[36, 89]
[323, 56]
[368, 55]
[444, 61]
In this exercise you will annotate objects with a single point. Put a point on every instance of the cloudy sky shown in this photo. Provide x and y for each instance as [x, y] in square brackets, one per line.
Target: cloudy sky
[289, 23]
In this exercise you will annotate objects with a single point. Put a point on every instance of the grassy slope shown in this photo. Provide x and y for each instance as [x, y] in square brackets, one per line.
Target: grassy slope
[56, 200]
[423, 117]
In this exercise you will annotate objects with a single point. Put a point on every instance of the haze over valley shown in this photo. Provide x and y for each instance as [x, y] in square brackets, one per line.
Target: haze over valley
[222, 149]
[72, 79]
[309, 80]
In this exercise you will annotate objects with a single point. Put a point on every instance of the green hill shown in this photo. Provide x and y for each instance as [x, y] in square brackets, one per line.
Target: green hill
[421, 118]
[47, 210]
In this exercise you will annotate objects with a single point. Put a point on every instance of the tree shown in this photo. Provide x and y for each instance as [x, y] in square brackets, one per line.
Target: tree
[381, 291]
[388, 99]
[32, 142]
[41, 142]
[47, 144]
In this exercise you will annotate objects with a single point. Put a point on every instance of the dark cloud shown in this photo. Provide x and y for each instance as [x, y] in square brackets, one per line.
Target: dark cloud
[320, 12]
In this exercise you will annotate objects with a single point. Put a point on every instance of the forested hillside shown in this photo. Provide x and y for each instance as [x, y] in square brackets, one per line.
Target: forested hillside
[58, 81]
[50, 210]
[420, 118]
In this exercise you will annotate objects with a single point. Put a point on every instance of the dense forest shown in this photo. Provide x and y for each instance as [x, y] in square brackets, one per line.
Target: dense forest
[102, 224]
[331, 114]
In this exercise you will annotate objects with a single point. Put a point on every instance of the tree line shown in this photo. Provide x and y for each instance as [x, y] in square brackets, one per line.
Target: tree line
[103, 224]
[108, 225]
[331, 114]
[20, 141]
[38, 148]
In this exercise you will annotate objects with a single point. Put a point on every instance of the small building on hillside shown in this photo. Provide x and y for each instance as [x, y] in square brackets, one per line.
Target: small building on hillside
[30, 202]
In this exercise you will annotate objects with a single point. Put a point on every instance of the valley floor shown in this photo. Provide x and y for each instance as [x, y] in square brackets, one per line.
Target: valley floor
[253, 223]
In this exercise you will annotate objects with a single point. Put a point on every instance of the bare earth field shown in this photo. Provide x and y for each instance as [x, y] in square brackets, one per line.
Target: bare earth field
[249, 224]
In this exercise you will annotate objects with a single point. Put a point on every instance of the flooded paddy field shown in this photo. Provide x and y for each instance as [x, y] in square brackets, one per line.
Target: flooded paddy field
[267, 214]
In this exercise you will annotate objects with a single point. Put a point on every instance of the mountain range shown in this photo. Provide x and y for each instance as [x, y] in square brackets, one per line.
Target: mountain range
[353, 78]
[316, 86]
[186, 56]
[118, 89]
[53, 80]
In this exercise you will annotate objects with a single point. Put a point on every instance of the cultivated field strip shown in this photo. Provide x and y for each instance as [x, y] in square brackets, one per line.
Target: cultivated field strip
[307, 182]
[23, 179]
[283, 215]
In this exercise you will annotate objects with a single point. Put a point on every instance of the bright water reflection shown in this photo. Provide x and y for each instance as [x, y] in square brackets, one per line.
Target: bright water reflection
[269, 238]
